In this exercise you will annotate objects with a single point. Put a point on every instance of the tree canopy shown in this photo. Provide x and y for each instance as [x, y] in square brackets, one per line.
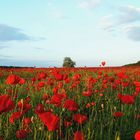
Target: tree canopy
[68, 62]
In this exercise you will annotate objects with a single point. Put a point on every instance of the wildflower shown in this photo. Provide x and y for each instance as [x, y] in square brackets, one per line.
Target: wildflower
[27, 121]
[127, 99]
[56, 99]
[6, 104]
[39, 109]
[79, 118]
[137, 135]
[12, 79]
[15, 116]
[41, 84]
[71, 105]
[78, 135]
[118, 114]
[50, 120]
[87, 93]
[21, 81]
[67, 123]
[42, 75]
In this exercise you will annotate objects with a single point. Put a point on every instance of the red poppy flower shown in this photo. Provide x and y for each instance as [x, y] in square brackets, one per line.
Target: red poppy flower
[101, 94]
[127, 99]
[24, 106]
[79, 118]
[50, 82]
[78, 135]
[65, 76]
[93, 103]
[125, 84]
[6, 104]
[28, 99]
[137, 84]
[71, 105]
[21, 81]
[67, 123]
[42, 75]
[39, 109]
[33, 80]
[12, 79]
[87, 93]
[120, 96]
[15, 116]
[122, 75]
[137, 89]
[59, 77]
[88, 105]
[60, 85]
[135, 94]
[50, 120]
[55, 90]
[56, 99]
[21, 134]
[118, 114]
[137, 135]
[27, 121]
[76, 77]
[28, 107]
[41, 84]
[45, 97]
[67, 80]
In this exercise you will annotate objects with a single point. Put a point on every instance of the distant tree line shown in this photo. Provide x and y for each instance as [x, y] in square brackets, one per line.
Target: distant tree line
[133, 64]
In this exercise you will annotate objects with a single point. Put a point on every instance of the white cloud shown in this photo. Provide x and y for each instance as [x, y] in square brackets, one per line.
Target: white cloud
[5, 56]
[128, 14]
[58, 14]
[125, 21]
[8, 33]
[107, 23]
[3, 47]
[133, 32]
[89, 3]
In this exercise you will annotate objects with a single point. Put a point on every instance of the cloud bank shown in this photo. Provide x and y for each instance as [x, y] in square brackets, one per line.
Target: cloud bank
[133, 32]
[126, 20]
[89, 4]
[9, 33]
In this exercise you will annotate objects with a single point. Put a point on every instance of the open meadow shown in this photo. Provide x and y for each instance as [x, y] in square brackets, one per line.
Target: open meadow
[70, 103]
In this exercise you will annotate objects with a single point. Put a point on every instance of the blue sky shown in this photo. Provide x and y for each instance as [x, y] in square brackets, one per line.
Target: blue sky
[42, 32]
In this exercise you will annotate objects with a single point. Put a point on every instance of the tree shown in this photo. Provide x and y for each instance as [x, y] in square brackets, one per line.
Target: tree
[68, 62]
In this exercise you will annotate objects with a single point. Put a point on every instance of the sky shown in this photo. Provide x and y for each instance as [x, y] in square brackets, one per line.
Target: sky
[42, 32]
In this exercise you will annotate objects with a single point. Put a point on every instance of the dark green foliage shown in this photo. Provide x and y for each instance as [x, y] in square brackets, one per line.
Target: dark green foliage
[68, 62]
[133, 64]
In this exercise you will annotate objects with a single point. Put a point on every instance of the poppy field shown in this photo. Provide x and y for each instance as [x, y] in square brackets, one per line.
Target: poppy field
[70, 103]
